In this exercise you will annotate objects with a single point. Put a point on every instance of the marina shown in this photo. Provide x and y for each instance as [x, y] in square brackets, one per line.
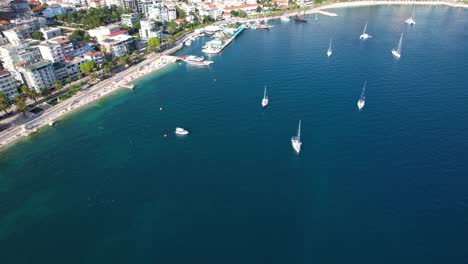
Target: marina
[218, 44]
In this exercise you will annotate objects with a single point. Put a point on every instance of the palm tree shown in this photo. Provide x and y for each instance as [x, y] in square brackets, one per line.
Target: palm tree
[31, 93]
[4, 103]
[20, 104]
[58, 85]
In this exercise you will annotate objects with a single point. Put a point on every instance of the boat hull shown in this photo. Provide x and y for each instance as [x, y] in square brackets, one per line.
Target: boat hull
[364, 36]
[396, 53]
[360, 104]
[264, 103]
[410, 21]
[329, 53]
[296, 145]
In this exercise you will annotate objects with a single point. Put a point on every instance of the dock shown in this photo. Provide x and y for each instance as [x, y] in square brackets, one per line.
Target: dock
[220, 48]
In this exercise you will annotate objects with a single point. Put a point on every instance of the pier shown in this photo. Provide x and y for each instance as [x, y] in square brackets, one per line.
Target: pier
[216, 50]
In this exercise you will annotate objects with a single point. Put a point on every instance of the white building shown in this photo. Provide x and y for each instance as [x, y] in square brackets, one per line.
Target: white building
[39, 75]
[171, 13]
[102, 32]
[118, 45]
[128, 19]
[51, 32]
[52, 11]
[66, 45]
[13, 56]
[186, 8]
[8, 85]
[51, 51]
[96, 56]
[148, 30]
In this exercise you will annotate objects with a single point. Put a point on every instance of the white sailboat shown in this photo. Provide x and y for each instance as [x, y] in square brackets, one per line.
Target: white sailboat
[411, 20]
[329, 51]
[364, 35]
[362, 99]
[296, 140]
[265, 99]
[397, 52]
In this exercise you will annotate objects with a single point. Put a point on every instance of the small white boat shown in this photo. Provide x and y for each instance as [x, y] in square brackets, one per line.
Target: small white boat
[188, 42]
[265, 99]
[411, 20]
[285, 18]
[397, 52]
[364, 35]
[362, 99]
[329, 51]
[52, 123]
[181, 131]
[296, 140]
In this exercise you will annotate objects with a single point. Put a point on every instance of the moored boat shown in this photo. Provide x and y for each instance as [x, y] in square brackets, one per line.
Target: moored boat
[181, 131]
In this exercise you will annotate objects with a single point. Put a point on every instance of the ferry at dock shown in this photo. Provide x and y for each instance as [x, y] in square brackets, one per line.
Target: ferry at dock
[194, 60]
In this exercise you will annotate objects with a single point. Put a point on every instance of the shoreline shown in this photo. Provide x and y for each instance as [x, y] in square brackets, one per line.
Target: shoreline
[102, 89]
[322, 9]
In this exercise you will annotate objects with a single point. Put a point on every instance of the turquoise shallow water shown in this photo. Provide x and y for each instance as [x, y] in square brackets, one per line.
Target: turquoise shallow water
[384, 185]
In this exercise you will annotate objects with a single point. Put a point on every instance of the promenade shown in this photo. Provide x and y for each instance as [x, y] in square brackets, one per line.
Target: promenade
[123, 79]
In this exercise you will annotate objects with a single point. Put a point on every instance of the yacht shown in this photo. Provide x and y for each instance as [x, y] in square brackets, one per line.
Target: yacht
[397, 52]
[265, 99]
[199, 61]
[364, 35]
[411, 21]
[329, 51]
[285, 19]
[188, 42]
[296, 140]
[181, 131]
[362, 99]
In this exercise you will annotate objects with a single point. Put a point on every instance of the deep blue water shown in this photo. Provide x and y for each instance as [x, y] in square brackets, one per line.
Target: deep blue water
[388, 184]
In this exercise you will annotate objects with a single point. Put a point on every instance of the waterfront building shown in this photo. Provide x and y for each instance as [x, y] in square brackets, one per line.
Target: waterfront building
[148, 29]
[186, 8]
[249, 9]
[102, 32]
[51, 51]
[39, 75]
[80, 48]
[73, 66]
[94, 56]
[8, 85]
[13, 56]
[52, 11]
[66, 45]
[51, 32]
[118, 45]
[128, 19]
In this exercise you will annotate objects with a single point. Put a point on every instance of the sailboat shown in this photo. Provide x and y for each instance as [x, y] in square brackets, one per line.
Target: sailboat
[362, 99]
[411, 21]
[265, 99]
[364, 35]
[296, 140]
[316, 16]
[329, 51]
[397, 52]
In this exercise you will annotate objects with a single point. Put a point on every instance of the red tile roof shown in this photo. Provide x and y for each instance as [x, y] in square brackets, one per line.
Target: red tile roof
[4, 73]
[118, 32]
[92, 54]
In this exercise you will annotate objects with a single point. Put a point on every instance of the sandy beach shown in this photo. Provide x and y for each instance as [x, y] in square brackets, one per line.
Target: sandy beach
[121, 80]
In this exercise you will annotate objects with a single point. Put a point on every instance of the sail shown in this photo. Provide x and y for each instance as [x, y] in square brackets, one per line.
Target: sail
[329, 47]
[413, 13]
[365, 27]
[264, 93]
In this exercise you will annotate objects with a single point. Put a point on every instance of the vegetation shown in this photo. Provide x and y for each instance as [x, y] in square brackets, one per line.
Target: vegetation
[238, 13]
[94, 17]
[79, 35]
[124, 60]
[4, 103]
[58, 85]
[68, 80]
[37, 35]
[153, 43]
[180, 13]
[30, 93]
[88, 67]
[20, 104]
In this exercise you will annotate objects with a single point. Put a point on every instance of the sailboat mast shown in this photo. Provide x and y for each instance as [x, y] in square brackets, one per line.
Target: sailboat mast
[365, 27]
[299, 131]
[264, 93]
[364, 88]
[399, 43]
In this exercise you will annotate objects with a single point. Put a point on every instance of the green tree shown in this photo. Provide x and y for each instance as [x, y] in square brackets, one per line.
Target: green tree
[180, 13]
[58, 85]
[123, 60]
[74, 88]
[79, 75]
[31, 93]
[45, 92]
[88, 67]
[20, 104]
[68, 80]
[259, 9]
[108, 68]
[37, 35]
[153, 43]
[4, 103]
